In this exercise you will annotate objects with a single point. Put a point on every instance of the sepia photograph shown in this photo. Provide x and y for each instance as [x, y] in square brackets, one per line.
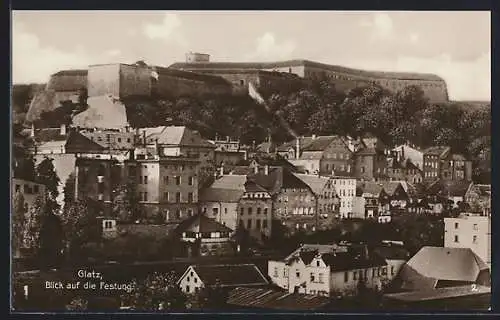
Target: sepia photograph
[250, 161]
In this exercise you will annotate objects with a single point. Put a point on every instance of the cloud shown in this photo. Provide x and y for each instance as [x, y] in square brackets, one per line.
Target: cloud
[113, 52]
[381, 26]
[267, 48]
[169, 29]
[34, 62]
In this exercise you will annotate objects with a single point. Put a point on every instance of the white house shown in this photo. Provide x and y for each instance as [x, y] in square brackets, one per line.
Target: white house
[345, 188]
[329, 270]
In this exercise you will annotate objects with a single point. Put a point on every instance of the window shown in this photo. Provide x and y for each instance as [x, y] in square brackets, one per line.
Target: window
[242, 82]
[191, 181]
[297, 274]
[225, 210]
[177, 197]
[318, 263]
[275, 272]
[242, 211]
[258, 210]
[320, 278]
[145, 179]
[456, 225]
[312, 277]
[195, 281]
[17, 187]
[456, 238]
[264, 224]
[178, 180]
[187, 289]
[35, 188]
[188, 279]
[474, 226]
[165, 196]
[474, 239]
[257, 222]
[119, 139]
[250, 210]
[362, 169]
[265, 210]
[249, 224]
[178, 213]
[346, 276]
[215, 211]
[190, 212]
[165, 180]
[190, 197]
[354, 275]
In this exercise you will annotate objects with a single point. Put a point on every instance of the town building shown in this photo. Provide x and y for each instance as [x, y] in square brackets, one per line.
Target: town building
[30, 190]
[370, 160]
[225, 276]
[321, 155]
[434, 157]
[205, 236]
[469, 231]
[456, 167]
[228, 151]
[326, 197]
[478, 197]
[256, 210]
[221, 200]
[409, 152]
[367, 202]
[345, 189]
[450, 190]
[331, 270]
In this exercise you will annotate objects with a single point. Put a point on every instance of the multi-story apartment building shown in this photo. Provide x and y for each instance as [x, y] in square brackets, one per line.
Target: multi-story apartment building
[322, 154]
[326, 197]
[165, 185]
[456, 167]
[470, 231]
[331, 270]
[345, 188]
[221, 199]
[434, 157]
[255, 210]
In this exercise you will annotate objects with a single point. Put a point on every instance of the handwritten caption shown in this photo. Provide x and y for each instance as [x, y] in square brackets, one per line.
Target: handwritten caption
[89, 280]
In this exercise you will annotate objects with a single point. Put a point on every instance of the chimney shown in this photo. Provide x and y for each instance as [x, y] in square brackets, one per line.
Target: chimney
[297, 148]
[32, 133]
[266, 169]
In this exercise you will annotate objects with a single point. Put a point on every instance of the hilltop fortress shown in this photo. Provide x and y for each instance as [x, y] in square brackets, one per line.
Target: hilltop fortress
[198, 76]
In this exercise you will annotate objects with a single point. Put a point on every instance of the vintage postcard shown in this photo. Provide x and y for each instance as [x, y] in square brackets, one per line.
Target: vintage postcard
[250, 161]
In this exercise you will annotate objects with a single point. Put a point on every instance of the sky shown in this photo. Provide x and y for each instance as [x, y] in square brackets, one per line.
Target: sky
[455, 45]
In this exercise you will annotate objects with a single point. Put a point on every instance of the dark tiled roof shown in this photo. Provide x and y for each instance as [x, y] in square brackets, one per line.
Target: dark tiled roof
[392, 252]
[342, 261]
[370, 187]
[277, 178]
[436, 151]
[451, 188]
[367, 151]
[319, 143]
[307, 256]
[306, 63]
[273, 299]
[220, 195]
[251, 186]
[230, 275]
[206, 224]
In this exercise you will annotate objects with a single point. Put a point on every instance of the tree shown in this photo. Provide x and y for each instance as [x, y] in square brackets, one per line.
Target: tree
[156, 292]
[212, 296]
[18, 222]
[69, 189]
[31, 234]
[47, 175]
[125, 203]
[51, 240]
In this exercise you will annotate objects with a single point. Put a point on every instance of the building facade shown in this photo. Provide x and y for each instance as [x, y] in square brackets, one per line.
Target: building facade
[469, 231]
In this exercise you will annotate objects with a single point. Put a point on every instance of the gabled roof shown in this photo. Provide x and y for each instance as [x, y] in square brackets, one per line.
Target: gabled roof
[390, 186]
[449, 188]
[341, 261]
[319, 143]
[440, 151]
[367, 151]
[230, 182]
[227, 275]
[276, 179]
[251, 186]
[273, 299]
[316, 183]
[371, 187]
[175, 136]
[205, 224]
[432, 264]
[311, 155]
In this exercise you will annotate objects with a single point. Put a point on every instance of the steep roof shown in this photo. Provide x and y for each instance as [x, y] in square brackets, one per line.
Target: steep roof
[341, 261]
[370, 187]
[230, 182]
[437, 151]
[175, 136]
[230, 275]
[319, 143]
[251, 186]
[316, 183]
[305, 63]
[277, 178]
[451, 188]
[432, 264]
[273, 299]
[390, 186]
[205, 224]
